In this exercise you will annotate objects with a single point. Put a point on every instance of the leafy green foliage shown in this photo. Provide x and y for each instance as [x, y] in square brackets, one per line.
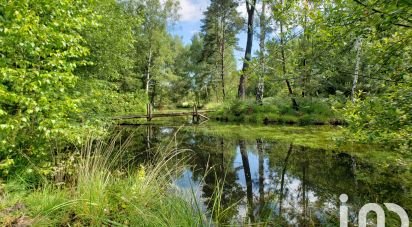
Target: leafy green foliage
[40, 49]
[101, 100]
[67, 66]
[104, 193]
[279, 110]
[111, 42]
[383, 118]
[52, 53]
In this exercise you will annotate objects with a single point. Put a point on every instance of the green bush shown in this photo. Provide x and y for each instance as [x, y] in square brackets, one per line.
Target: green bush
[312, 111]
[385, 118]
[315, 106]
[101, 98]
[37, 74]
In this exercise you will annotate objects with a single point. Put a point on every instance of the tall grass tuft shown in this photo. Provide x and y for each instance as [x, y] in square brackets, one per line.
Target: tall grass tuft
[142, 196]
[94, 176]
[106, 189]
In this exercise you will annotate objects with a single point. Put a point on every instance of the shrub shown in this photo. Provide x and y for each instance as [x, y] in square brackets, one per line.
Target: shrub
[37, 77]
[384, 118]
[277, 110]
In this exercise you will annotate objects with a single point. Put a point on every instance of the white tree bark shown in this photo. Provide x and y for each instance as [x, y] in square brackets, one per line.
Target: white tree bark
[148, 72]
[358, 48]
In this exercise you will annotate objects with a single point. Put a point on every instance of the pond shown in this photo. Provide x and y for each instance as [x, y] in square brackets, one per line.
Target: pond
[281, 176]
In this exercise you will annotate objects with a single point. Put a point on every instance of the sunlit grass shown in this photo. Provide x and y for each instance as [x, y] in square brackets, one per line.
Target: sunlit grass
[106, 193]
[278, 111]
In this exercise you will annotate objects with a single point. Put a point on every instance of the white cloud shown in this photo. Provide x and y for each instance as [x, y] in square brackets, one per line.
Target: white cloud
[241, 8]
[194, 31]
[243, 12]
[192, 10]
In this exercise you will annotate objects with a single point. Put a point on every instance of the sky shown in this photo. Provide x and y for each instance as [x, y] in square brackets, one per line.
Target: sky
[191, 14]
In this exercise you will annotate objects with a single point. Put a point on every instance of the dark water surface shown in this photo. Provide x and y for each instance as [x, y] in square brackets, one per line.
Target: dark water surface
[273, 182]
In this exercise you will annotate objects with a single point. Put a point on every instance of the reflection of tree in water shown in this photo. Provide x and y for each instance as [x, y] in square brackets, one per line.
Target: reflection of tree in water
[285, 184]
[300, 200]
[213, 161]
[264, 209]
[146, 141]
[312, 180]
[248, 179]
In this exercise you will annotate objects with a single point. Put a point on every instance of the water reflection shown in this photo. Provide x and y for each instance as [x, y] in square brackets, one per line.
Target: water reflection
[281, 184]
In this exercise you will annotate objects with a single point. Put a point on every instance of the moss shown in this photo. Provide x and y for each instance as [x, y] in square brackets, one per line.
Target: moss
[314, 136]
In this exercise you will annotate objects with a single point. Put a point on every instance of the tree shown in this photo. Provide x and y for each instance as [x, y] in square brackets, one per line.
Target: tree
[305, 42]
[111, 42]
[250, 8]
[219, 28]
[169, 70]
[262, 38]
[280, 12]
[152, 39]
[40, 49]
[358, 49]
[197, 70]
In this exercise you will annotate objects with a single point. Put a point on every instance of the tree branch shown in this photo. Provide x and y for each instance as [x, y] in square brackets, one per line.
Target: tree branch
[384, 13]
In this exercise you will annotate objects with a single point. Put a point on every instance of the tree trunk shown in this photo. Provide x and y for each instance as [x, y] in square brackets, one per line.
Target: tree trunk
[282, 50]
[358, 48]
[153, 95]
[305, 39]
[222, 59]
[216, 72]
[248, 52]
[215, 77]
[149, 65]
[261, 83]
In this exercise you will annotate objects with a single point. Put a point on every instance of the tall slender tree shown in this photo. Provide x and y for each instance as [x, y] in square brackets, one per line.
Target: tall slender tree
[219, 28]
[250, 8]
[282, 7]
[358, 46]
[261, 83]
[152, 38]
[304, 43]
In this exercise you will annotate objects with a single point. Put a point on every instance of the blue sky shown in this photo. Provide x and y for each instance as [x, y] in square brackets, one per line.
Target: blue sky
[191, 13]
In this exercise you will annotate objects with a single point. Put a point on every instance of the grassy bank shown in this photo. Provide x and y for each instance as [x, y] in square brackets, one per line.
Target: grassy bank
[278, 111]
[103, 190]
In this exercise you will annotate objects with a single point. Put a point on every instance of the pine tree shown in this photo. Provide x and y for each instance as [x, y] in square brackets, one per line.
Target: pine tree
[219, 28]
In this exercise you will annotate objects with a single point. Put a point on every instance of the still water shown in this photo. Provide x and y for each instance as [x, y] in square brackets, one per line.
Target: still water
[246, 180]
